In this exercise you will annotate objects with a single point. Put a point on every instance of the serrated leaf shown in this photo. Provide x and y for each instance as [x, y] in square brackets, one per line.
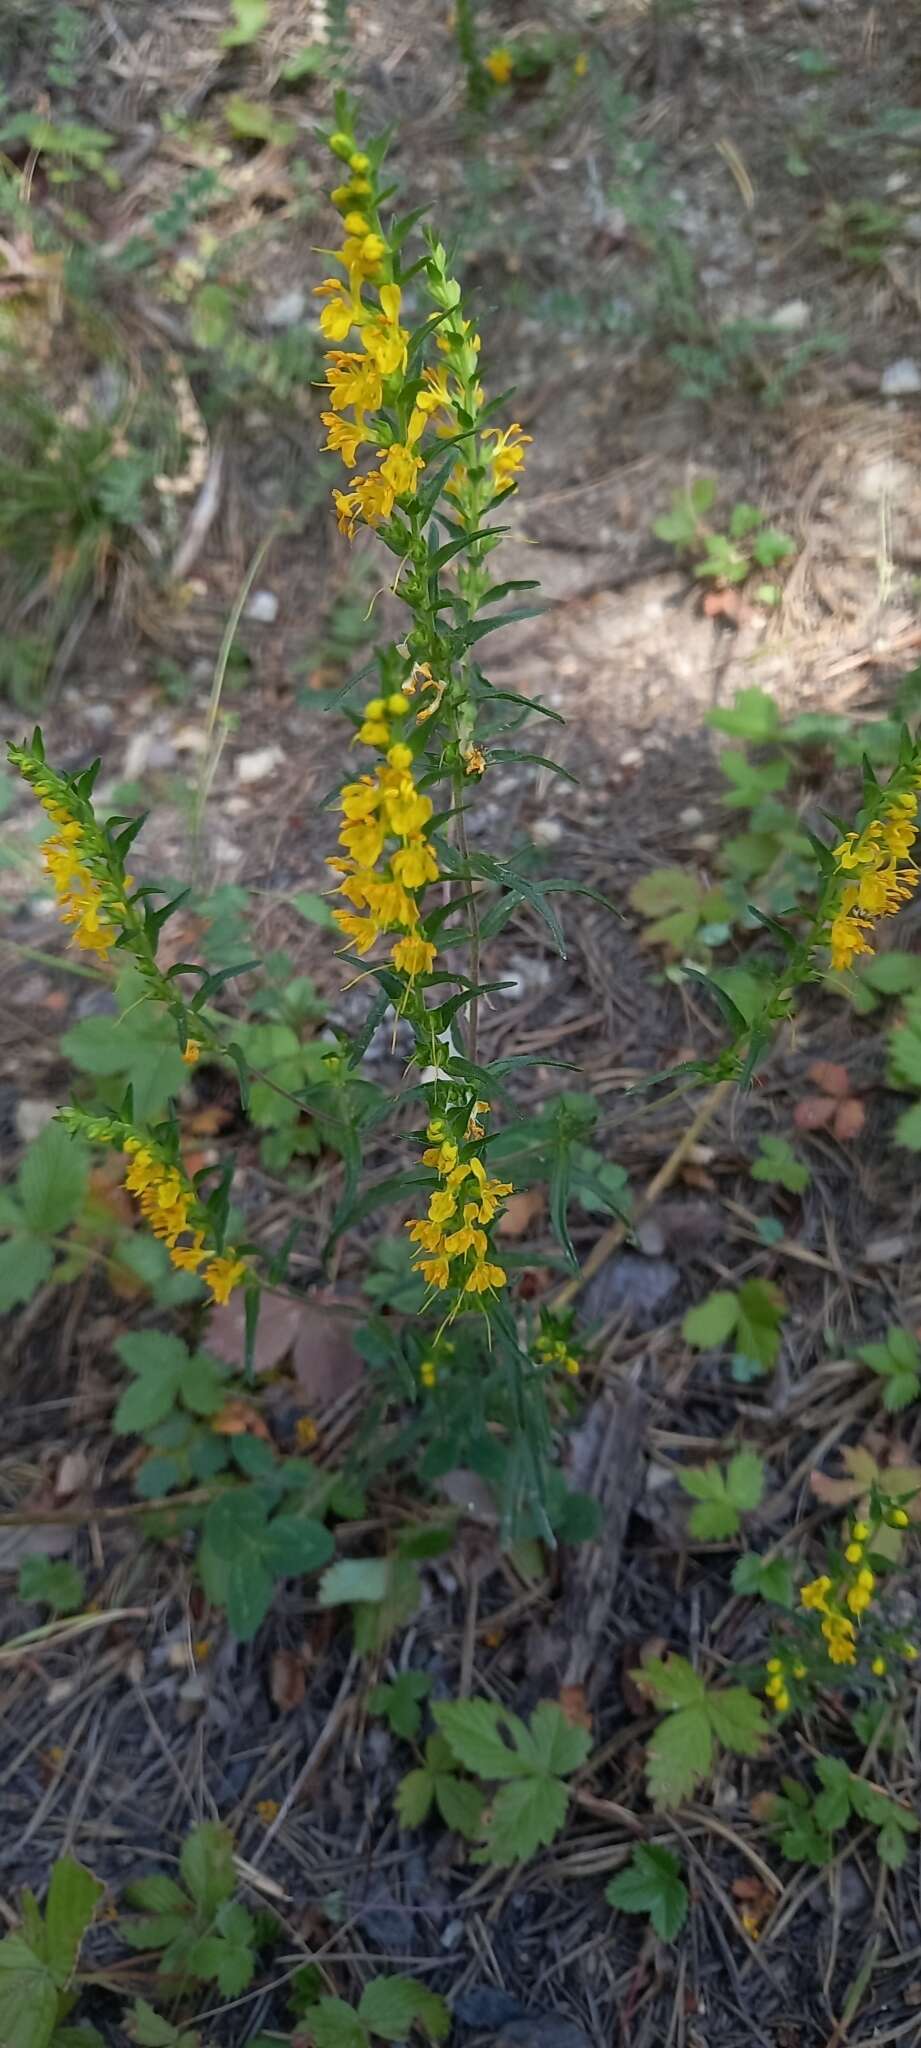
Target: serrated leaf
[713, 1320]
[679, 1755]
[891, 1845]
[413, 1797]
[524, 1815]
[25, 1263]
[745, 1481]
[249, 19]
[737, 1720]
[472, 1730]
[399, 1701]
[652, 1884]
[832, 1806]
[28, 1997]
[333, 2024]
[665, 889]
[753, 716]
[672, 1681]
[207, 1867]
[459, 1804]
[390, 2005]
[761, 1309]
[73, 1896]
[52, 1180]
[765, 1579]
[157, 1894]
[355, 1579]
[778, 1162]
[60, 1584]
[139, 1047]
[554, 1743]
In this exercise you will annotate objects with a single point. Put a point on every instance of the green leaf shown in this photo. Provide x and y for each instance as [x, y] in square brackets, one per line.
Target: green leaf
[25, 1263]
[761, 1309]
[652, 1884]
[28, 1996]
[296, 1544]
[765, 1579]
[73, 1896]
[206, 1865]
[59, 1584]
[390, 2005]
[157, 1894]
[413, 1797]
[353, 1579]
[745, 1481]
[771, 546]
[471, 1729]
[737, 1720]
[314, 908]
[553, 1743]
[891, 1845]
[710, 1324]
[459, 1804]
[399, 1702]
[679, 1755]
[523, 1816]
[777, 1161]
[202, 1384]
[250, 18]
[892, 974]
[52, 1180]
[832, 1807]
[139, 1048]
[753, 716]
[333, 2024]
[672, 1681]
[665, 889]
[310, 62]
[146, 1402]
[150, 2030]
[256, 121]
[907, 1129]
[716, 1516]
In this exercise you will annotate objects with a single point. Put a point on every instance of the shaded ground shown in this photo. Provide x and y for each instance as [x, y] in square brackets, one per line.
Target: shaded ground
[676, 200]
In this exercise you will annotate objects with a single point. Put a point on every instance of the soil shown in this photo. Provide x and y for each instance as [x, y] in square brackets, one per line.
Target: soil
[731, 130]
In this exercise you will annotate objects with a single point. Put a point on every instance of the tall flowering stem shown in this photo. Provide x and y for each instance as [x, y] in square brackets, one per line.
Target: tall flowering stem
[409, 418]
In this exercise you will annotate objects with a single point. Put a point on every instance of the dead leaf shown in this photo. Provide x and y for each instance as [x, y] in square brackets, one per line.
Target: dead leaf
[864, 1471]
[521, 1210]
[849, 1120]
[323, 1357]
[814, 1112]
[72, 1474]
[725, 604]
[276, 1330]
[209, 1120]
[287, 1680]
[829, 1077]
[470, 1493]
[761, 1808]
[240, 1418]
[573, 1704]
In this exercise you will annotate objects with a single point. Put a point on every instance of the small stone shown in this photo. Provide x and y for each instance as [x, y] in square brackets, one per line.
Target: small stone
[691, 817]
[650, 1237]
[901, 379]
[546, 831]
[33, 1113]
[632, 757]
[262, 608]
[811, 8]
[630, 1283]
[287, 309]
[883, 1251]
[259, 765]
[146, 752]
[789, 318]
[911, 226]
[190, 739]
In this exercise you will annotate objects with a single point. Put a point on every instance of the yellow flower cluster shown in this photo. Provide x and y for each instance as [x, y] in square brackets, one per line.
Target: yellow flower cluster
[554, 1350]
[169, 1206]
[884, 876]
[454, 1236]
[387, 857]
[92, 899]
[777, 1687]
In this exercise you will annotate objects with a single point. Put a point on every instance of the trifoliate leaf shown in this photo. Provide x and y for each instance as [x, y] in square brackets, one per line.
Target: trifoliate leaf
[523, 1816]
[672, 1681]
[52, 1180]
[333, 2024]
[652, 1884]
[391, 2005]
[471, 1728]
[554, 1743]
[399, 1702]
[28, 1996]
[765, 1579]
[737, 1720]
[778, 1162]
[60, 1584]
[679, 1755]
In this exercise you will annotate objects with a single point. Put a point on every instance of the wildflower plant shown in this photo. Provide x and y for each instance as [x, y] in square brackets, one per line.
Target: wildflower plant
[841, 1621]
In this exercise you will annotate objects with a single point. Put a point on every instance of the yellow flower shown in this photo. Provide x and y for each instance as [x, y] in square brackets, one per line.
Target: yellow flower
[859, 849]
[345, 437]
[854, 1553]
[353, 381]
[500, 64]
[429, 1235]
[401, 467]
[361, 931]
[580, 65]
[408, 813]
[507, 457]
[414, 865]
[413, 956]
[483, 1277]
[436, 1272]
[223, 1275]
[878, 1667]
[428, 1372]
[400, 757]
[364, 841]
[358, 161]
[373, 733]
[474, 760]
[267, 1810]
[338, 315]
[860, 1531]
[898, 1518]
[442, 1206]
[814, 1596]
[847, 942]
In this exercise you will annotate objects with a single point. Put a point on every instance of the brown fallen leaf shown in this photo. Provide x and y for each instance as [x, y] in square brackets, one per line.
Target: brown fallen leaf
[829, 1077]
[849, 1119]
[865, 1470]
[72, 1474]
[573, 1704]
[209, 1120]
[726, 604]
[814, 1112]
[317, 1340]
[240, 1418]
[521, 1210]
[287, 1680]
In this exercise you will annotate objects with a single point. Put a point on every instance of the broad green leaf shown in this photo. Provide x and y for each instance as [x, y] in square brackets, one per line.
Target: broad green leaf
[652, 1884]
[891, 1845]
[737, 1720]
[314, 908]
[139, 1048]
[333, 2024]
[524, 1815]
[202, 1384]
[471, 1727]
[150, 2030]
[52, 1180]
[716, 1516]
[250, 17]
[672, 1681]
[353, 1579]
[761, 1309]
[206, 1865]
[665, 889]
[146, 1402]
[28, 1997]
[157, 1894]
[832, 1806]
[710, 1324]
[413, 1797]
[753, 716]
[310, 62]
[295, 1544]
[745, 1481]
[73, 1896]
[249, 1594]
[892, 974]
[390, 2005]
[460, 1804]
[25, 1263]
[60, 1584]
[553, 1742]
[907, 1130]
[770, 1579]
[256, 121]
[679, 1755]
